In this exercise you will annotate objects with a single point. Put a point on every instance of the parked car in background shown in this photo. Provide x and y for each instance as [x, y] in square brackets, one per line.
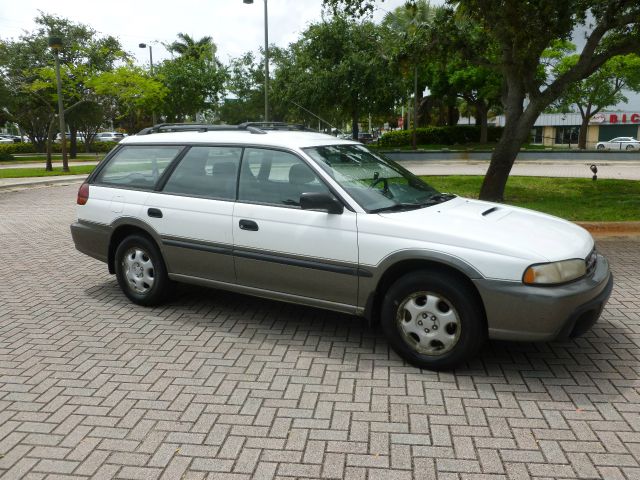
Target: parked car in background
[298, 216]
[5, 139]
[11, 138]
[109, 137]
[79, 137]
[619, 143]
[365, 137]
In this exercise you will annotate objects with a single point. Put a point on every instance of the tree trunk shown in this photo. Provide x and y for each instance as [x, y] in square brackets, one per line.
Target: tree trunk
[73, 142]
[518, 125]
[481, 119]
[354, 124]
[582, 135]
[48, 166]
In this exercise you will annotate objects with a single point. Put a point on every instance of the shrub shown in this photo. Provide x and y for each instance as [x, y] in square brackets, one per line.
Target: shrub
[5, 156]
[458, 134]
[13, 148]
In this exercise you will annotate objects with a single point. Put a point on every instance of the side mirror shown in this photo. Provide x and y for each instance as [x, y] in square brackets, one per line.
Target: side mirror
[321, 201]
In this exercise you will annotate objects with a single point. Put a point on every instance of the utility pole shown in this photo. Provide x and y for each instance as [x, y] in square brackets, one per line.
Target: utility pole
[55, 43]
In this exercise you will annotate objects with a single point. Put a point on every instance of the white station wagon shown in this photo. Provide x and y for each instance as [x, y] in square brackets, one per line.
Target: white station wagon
[298, 216]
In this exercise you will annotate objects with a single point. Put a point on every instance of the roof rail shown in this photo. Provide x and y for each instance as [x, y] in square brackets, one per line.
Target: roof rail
[277, 126]
[198, 127]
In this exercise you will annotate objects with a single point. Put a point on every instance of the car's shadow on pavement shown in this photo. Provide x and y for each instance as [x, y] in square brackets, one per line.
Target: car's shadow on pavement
[600, 365]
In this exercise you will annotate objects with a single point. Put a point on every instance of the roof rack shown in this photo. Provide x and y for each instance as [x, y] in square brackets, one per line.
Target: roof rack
[277, 126]
[259, 128]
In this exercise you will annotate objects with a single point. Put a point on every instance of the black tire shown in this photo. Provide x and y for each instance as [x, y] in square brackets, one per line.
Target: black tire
[630, 147]
[153, 282]
[600, 147]
[454, 309]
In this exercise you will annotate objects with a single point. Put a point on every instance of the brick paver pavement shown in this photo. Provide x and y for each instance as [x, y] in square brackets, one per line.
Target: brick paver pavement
[218, 385]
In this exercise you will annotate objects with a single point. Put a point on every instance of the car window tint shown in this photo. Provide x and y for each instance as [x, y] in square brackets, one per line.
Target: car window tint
[207, 172]
[275, 177]
[137, 166]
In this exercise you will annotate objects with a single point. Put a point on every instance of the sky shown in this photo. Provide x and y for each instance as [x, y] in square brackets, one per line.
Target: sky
[235, 27]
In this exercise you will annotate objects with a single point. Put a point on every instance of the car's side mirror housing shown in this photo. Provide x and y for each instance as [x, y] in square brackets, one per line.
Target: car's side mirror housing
[321, 201]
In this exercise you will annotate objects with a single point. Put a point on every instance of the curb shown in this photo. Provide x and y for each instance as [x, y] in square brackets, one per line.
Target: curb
[606, 229]
[49, 181]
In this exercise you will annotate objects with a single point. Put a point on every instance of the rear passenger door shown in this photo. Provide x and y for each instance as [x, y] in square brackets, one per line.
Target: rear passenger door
[193, 213]
[282, 248]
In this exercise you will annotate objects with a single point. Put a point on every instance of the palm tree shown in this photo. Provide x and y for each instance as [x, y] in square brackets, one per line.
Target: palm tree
[186, 46]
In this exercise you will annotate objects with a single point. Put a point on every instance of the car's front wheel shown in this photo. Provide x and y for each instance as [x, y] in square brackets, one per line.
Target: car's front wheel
[140, 271]
[433, 319]
[600, 147]
[630, 147]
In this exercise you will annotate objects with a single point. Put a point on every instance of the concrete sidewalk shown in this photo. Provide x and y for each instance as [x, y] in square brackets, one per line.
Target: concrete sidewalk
[41, 164]
[11, 183]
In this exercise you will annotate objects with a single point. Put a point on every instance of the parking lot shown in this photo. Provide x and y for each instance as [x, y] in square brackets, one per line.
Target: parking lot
[219, 385]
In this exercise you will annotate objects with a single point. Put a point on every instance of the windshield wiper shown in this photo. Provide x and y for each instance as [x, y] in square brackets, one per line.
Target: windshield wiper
[441, 197]
[399, 207]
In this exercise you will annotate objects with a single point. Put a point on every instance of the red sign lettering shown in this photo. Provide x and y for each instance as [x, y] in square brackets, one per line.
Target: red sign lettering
[635, 118]
[613, 118]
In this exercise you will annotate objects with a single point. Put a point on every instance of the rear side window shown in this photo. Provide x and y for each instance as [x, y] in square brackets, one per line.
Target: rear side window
[207, 172]
[138, 166]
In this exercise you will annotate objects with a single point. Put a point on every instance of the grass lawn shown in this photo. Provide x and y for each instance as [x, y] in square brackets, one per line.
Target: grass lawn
[41, 172]
[576, 199]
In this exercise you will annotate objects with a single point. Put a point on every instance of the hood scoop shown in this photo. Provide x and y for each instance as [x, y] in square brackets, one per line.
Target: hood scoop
[490, 211]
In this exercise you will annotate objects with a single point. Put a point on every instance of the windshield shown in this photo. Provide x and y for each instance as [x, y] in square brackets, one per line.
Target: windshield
[375, 182]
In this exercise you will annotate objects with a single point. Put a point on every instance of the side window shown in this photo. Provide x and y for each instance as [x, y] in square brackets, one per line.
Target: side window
[207, 172]
[138, 166]
[275, 177]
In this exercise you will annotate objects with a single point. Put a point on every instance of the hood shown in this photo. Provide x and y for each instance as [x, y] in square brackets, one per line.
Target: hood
[496, 228]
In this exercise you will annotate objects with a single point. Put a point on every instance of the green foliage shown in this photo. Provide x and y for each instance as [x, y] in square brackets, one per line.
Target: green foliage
[5, 156]
[337, 69]
[27, 71]
[131, 91]
[450, 135]
[186, 46]
[13, 148]
[245, 82]
[196, 79]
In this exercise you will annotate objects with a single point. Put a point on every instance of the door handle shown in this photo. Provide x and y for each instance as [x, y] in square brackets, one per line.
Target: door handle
[248, 225]
[154, 212]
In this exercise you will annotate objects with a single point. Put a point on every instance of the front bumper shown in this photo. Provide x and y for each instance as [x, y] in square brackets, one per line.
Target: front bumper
[529, 313]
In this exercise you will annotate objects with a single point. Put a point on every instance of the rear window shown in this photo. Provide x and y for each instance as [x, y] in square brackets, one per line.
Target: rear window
[138, 166]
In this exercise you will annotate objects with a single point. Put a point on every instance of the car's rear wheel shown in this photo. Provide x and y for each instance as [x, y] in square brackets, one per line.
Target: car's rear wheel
[433, 319]
[140, 271]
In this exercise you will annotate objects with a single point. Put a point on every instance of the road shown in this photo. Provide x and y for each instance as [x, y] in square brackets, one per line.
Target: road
[217, 385]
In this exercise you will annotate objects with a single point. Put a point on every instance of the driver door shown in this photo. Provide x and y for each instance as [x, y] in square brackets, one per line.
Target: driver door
[280, 247]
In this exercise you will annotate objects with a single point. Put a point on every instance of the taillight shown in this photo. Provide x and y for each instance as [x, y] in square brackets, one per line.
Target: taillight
[83, 194]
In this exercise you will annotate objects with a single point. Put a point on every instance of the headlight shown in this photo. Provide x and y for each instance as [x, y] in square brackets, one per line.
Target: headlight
[556, 272]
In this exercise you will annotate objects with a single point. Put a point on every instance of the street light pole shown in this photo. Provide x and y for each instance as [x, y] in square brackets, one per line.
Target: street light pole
[144, 45]
[55, 43]
[266, 58]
